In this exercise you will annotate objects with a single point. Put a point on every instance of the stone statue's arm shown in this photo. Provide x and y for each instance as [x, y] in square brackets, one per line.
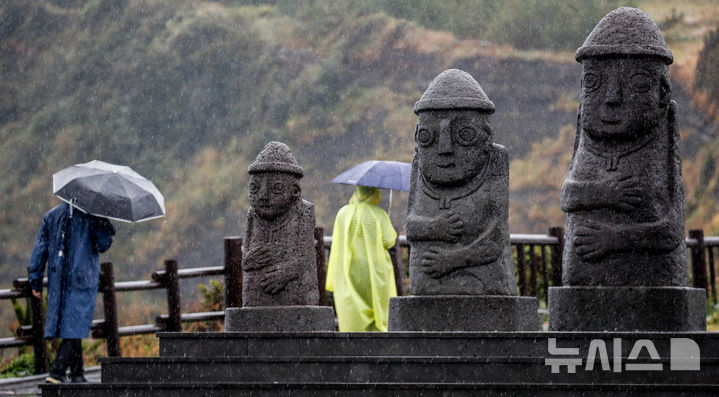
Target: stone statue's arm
[661, 236]
[579, 196]
[295, 256]
[485, 249]
[620, 192]
[447, 226]
[594, 240]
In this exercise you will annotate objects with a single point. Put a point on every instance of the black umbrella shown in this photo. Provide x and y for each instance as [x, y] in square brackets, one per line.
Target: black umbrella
[110, 191]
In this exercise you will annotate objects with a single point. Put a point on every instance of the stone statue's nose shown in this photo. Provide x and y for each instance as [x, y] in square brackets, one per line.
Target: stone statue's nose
[445, 138]
[613, 93]
[263, 190]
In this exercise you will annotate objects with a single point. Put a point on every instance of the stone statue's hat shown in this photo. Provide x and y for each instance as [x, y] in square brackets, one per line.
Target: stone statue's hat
[454, 89]
[276, 157]
[625, 31]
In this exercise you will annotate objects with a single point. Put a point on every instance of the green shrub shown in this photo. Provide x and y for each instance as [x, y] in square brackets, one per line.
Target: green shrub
[23, 365]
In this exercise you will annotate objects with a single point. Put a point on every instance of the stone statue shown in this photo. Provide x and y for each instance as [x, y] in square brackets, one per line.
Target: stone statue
[279, 264]
[458, 202]
[623, 192]
[461, 269]
[280, 292]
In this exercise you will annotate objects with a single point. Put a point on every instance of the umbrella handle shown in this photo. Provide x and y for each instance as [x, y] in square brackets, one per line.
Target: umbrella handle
[72, 205]
[389, 207]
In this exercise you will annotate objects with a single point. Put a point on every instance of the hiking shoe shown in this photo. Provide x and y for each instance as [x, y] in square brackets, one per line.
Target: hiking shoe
[55, 379]
[77, 379]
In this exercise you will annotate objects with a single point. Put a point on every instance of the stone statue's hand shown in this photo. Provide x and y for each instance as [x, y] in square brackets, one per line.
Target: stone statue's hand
[437, 262]
[448, 226]
[592, 242]
[275, 280]
[625, 193]
[257, 258]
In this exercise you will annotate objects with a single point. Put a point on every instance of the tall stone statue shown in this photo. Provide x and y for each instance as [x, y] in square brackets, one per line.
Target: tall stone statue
[279, 265]
[458, 203]
[457, 218]
[623, 193]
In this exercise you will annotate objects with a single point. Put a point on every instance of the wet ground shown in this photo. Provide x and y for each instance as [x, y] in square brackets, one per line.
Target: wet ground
[27, 386]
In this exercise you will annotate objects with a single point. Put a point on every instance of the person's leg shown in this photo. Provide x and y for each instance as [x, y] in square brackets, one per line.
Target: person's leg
[61, 362]
[75, 361]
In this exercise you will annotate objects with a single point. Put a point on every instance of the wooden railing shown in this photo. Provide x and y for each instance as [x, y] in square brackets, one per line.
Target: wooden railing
[537, 260]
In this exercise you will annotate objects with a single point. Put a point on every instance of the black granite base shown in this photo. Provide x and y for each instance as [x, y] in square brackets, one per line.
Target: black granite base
[280, 319]
[463, 313]
[627, 309]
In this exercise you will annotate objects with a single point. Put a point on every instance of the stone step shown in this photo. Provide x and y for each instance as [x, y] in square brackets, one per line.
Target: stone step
[399, 344]
[509, 370]
[375, 389]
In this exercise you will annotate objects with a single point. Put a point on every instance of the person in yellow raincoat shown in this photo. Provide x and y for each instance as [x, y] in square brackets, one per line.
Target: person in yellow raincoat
[360, 272]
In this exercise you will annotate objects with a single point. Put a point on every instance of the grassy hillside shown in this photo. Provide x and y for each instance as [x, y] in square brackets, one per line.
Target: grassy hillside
[187, 93]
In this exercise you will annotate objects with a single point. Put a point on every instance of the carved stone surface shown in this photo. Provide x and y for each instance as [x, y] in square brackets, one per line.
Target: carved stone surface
[623, 192]
[459, 193]
[461, 270]
[278, 263]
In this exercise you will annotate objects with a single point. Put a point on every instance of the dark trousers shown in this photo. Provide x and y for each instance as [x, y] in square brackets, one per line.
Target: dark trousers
[68, 355]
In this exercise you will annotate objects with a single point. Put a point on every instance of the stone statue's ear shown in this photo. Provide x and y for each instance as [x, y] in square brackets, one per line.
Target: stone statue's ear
[296, 190]
[665, 91]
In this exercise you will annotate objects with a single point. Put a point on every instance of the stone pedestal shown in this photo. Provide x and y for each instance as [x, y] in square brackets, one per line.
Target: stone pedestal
[627, 309]
[280, 319]
[463, 313]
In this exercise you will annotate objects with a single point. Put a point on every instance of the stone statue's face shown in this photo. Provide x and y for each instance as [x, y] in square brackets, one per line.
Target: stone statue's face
[452, 145]
[622, 98]
[273, 193]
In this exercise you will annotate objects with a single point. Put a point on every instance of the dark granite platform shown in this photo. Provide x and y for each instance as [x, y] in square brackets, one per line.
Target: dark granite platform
[407, 363]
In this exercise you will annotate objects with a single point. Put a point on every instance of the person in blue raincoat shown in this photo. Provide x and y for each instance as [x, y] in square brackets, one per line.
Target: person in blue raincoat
[69, 242]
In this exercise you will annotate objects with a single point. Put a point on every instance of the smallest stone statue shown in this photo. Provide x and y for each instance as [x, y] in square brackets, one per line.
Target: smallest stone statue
[279, 287]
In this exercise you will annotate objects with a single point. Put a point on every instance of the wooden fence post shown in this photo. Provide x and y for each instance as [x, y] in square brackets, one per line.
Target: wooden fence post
[532, 272]
[555, 253]
[712, 275]
[321, 265]
[699, 268]
[233, 272]
[107, 287]
[521, 270]
[38, 324]
[174, 311]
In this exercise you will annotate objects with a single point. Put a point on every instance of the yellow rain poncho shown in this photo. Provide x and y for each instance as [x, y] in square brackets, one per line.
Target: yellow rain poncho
[360, 272]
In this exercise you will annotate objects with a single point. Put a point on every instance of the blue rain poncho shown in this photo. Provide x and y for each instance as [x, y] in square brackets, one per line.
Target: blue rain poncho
[69, 246]
[360, 272]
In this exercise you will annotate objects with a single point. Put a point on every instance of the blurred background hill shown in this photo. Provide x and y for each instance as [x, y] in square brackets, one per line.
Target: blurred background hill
[187, 92]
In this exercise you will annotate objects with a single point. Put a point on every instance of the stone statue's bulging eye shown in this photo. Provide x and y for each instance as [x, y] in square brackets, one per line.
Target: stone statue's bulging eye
[254, 188]
[424, 137]
[278, 188]
[467, 136]
[641, 82]
[591, 82]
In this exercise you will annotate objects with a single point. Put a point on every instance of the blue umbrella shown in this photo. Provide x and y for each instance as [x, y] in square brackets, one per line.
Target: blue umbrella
[382, 174]
[392, 175]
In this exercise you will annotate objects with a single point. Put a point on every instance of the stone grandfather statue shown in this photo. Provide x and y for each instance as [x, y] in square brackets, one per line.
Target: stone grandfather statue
[623, 193]
[461, 270]
[280, 292]
[624, 259]
[458, 202]
[279, 264]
